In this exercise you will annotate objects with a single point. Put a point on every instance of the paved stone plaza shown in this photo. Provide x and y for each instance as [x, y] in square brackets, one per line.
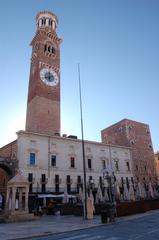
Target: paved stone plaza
[47, 225]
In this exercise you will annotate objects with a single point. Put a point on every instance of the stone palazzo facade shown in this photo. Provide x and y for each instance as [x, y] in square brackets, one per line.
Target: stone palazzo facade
[53, 163]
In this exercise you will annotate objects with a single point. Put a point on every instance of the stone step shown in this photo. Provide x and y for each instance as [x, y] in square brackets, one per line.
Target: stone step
[17, 217]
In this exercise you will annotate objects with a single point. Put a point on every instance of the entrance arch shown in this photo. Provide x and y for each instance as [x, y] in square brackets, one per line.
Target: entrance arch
[7, 171]
[4, 178]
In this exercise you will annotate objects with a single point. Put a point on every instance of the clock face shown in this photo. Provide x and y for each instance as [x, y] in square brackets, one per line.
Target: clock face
[49, 77]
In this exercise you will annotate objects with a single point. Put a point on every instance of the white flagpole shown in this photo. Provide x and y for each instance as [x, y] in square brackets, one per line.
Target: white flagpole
[83, 151]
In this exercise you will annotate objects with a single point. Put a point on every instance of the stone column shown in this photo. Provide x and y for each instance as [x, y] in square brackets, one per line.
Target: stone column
[13, 198]
[53, 25]
[26, 198]
[47, 21]
[7, 198]
[40, 22]
[20, 198]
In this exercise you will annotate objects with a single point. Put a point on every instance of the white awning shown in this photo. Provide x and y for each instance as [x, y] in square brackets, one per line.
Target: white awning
[54, 196]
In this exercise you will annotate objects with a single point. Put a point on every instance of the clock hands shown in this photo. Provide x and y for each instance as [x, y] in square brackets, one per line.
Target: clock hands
[49, 77]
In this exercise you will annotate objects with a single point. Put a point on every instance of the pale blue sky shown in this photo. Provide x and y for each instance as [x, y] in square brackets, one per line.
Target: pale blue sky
[117, 45]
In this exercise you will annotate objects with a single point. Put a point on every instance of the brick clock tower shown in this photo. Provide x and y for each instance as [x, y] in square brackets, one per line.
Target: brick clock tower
[43, 106]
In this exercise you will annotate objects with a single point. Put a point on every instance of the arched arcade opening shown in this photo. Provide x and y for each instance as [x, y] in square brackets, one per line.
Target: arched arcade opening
[5, 176]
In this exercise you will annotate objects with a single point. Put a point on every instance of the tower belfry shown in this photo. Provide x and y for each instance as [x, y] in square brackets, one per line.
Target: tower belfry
[43, 106]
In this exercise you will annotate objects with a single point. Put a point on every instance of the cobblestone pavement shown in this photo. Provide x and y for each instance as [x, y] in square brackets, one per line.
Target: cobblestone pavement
[52, 224]
[144, 228]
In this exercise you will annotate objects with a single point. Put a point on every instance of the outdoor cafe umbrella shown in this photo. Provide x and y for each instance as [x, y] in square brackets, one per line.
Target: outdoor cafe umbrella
[99, 195]
[131, 192]
[117, 190]
[91, 196]
[151, 192]
[106, 197]
[65, 198]
[140, 191]
[155, 191]
[80, 195]
[126, 192]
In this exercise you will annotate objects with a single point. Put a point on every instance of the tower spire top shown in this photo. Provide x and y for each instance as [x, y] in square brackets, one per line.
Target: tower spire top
[46, 19]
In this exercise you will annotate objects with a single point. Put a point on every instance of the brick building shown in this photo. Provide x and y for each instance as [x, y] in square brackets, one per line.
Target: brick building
[137, 136]
[9, 150]
[157, 163]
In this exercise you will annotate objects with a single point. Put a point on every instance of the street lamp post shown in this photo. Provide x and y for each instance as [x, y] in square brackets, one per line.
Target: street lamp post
[91, 183]
[91, 186]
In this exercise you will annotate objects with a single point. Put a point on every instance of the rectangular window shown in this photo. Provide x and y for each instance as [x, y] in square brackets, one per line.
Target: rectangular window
[68, 179]
[103, 164]
[127, 182]
[78, 183]
[43, 183]
[116, 166]
[79, 179]
[56, 179]
[122, 181]
[68, 183]
[30, 177]
[32, 158]
[100, 180]
[43, 188]
[128, 166]
[57, 188]
[30, 188]
[57, 183]
[72, 161]
[53, 160]
[89, 163]
[43, 177]
[90, 178]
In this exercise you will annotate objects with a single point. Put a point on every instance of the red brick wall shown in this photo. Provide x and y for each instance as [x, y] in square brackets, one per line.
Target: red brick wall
[4, 178]
[44, 120]
[115, 134]
[9, 150]
[137, 136]
[157, 163]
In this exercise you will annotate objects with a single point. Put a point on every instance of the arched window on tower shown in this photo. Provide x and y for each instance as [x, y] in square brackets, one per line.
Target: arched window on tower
[44, 20]
[50, 22]
[49, 48]
[53, 50]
